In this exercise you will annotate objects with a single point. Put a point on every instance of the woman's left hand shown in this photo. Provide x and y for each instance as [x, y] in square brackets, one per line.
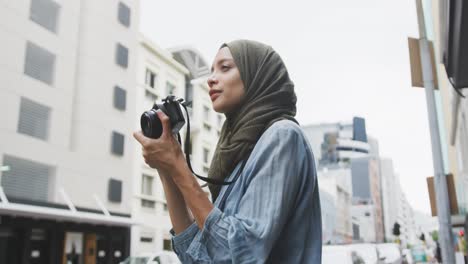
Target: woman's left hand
[164, 153]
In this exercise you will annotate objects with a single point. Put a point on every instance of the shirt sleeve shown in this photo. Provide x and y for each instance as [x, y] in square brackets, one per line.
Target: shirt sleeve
[273, 181]
[182, 241]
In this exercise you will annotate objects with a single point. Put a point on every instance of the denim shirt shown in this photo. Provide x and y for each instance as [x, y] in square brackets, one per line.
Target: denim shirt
[271, 215]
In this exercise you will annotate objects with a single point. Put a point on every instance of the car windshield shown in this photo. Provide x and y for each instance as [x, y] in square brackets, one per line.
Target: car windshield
[136, 260]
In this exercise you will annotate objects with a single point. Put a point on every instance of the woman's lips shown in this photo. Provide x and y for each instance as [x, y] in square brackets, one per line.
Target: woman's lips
[214, 95]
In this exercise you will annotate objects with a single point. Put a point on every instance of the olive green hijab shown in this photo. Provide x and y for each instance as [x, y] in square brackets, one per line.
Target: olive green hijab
[269, 97]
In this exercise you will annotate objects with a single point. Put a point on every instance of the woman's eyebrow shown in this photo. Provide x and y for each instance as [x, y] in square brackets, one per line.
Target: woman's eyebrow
[221, 61]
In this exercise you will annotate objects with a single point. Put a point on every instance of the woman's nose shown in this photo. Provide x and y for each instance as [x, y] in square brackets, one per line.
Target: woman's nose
[212, 80]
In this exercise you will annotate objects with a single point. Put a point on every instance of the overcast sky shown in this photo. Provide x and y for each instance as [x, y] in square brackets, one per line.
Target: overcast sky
[346, 58]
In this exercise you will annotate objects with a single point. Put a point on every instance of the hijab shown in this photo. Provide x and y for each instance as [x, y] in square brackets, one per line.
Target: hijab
[269, 97]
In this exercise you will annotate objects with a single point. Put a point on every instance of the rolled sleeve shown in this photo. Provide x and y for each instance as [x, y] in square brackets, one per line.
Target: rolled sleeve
[182, 241]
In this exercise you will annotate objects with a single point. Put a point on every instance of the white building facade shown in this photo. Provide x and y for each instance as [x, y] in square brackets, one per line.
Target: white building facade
[65, 144]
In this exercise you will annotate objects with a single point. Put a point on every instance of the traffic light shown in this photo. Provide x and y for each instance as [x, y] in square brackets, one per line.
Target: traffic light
[422, 237]
[396, 229]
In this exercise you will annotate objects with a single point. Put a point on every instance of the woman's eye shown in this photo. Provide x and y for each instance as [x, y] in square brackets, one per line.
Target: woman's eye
[224, 67]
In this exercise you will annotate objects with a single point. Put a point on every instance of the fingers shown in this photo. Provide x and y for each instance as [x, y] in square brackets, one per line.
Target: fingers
[141, 138]
[167, 130]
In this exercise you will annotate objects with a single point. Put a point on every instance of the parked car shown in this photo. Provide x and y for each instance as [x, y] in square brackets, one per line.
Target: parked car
[367, 251]
[389, 253]
[161, 257]
[340, 254]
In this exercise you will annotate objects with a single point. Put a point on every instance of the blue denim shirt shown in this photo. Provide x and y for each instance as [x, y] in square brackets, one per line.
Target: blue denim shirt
[272, 213]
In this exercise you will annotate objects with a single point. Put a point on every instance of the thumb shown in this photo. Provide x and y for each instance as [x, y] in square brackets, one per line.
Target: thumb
[166, 124]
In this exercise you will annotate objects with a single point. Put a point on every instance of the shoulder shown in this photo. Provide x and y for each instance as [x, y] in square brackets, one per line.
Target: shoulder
[282, 131]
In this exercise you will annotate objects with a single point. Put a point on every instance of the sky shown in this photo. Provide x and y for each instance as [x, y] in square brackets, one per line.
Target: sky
[346, 58]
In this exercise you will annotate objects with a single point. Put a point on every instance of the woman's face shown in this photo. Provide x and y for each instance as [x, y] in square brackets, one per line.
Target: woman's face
[226, 86]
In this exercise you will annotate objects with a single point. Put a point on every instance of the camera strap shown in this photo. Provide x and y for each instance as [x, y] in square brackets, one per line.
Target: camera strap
[187, 155]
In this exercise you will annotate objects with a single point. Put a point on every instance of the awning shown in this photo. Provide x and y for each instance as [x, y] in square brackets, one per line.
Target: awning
[41, 212]
[455, 46]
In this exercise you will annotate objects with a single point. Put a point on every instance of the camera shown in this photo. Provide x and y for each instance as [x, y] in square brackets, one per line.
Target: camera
[151, 124]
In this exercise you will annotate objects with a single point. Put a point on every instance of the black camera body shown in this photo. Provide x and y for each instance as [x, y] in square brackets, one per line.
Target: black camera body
[151, 124]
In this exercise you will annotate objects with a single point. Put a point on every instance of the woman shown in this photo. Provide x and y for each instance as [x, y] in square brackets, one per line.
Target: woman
[271, 210]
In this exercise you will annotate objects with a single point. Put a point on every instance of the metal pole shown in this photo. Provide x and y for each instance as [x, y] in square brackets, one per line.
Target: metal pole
[440, 182]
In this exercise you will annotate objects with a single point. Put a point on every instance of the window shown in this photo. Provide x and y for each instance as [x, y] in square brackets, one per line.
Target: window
[34, 119]
[206, 126]
[121, 56]
[151, 96]
[120, 98]
[146, 239]
[220, 120]
[167, 244]
[45, 13]
[117, 143]
[124, 14]
[147, 185]
[165, 207]
[206, 113]
[170, 88]
[114, 191]
[26, 179]
[39, 63]
[150, 78]
[206, 153]
[148, 203]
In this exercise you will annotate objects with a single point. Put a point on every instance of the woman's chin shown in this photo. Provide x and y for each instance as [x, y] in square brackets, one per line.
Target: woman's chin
[218, 107]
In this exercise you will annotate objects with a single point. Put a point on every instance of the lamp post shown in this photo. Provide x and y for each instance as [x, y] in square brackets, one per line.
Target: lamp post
[440, 182]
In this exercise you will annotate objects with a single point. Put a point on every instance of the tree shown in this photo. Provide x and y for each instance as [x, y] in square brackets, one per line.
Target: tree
[435, 235]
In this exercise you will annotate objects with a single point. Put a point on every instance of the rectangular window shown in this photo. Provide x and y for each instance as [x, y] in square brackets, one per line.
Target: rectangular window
[206, 153]
[45, 13]
[117, 143]
[124, 14]
[39, 63]
[170, 88]
[220, 120]
[147, 185]
[146, 239]
[151, 96]
[148, 203]
[120, 98]
[150, 78]
[34, 119]
[114, 191]
[121, 56]
[206, 126]
[167, 244]
[26, 179]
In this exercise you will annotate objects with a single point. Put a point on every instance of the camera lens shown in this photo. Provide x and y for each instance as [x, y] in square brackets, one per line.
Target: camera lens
[150, 124]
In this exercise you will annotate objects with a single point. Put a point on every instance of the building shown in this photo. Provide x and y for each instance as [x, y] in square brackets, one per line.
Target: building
[367, 197]
[336, 184]
[328, 209]
[347, 149]
[206, 124]
[65, 143]
[158, 75]
[390, 197]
